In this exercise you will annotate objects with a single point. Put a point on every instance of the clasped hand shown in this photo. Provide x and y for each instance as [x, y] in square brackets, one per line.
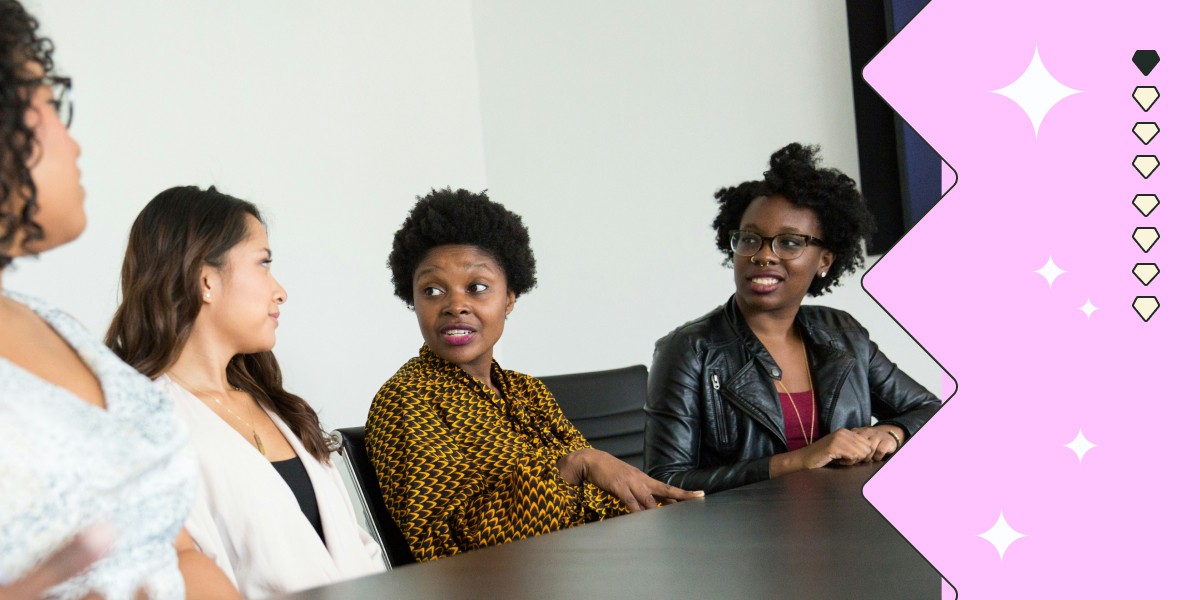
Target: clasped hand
[636, 489]
[851, 446]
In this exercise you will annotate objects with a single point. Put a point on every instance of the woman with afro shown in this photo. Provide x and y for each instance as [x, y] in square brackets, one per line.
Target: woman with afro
[469, 454]
[767, 385]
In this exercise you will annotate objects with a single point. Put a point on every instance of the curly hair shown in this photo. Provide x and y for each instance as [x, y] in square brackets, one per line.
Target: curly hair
[796, 175]
[452, 217]
[19, 46]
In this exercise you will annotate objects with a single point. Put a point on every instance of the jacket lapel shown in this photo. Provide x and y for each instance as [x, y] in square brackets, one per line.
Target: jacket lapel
[830, 364]
[747, 389]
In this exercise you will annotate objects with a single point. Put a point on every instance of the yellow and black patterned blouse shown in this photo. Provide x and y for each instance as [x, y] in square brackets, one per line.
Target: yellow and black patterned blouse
[462, 468]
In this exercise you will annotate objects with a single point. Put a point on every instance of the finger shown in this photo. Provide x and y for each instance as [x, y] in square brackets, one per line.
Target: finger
[663, 490]
[645, 498]
[84, 549]
[631, 501]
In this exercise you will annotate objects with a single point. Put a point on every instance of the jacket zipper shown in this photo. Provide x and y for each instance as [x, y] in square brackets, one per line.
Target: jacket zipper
[719, 418]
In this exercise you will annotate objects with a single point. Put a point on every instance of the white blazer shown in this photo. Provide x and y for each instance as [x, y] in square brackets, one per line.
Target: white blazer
[247, 519]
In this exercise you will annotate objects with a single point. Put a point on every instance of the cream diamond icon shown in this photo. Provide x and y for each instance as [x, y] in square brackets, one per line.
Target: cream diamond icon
[1145, 164]
[1145, 272]
[1145, 237]
[1001, 535]
[1145, 203]
[1146, 96]
[1145, 306]
[1145, 131]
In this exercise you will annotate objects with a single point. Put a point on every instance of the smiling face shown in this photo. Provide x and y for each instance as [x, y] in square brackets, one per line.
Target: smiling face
[55, 172]
[764, 282]
[242, 297]
[461, 297]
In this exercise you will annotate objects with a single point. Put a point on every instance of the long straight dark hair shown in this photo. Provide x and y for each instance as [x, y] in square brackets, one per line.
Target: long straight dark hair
[181, 230]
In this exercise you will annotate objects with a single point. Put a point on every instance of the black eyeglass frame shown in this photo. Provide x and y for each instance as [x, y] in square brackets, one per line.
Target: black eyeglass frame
[765, 239]
[63, 99]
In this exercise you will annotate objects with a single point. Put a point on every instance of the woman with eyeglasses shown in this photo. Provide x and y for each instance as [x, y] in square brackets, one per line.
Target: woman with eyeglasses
[767, 385]
[199, 309]
[469, 454]
[93, 467]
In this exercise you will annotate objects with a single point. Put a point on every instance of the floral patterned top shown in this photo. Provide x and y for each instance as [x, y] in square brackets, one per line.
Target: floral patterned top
[462, 468]
[66, 464]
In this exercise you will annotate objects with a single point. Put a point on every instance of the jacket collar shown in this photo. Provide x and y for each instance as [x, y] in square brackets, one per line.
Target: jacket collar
[828, 361]
[822, 344]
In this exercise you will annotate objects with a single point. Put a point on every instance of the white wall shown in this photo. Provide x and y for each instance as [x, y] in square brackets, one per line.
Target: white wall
[600, 123]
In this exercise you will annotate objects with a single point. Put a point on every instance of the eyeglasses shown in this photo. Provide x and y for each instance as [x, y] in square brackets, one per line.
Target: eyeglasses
[61, 98]
[786, 246]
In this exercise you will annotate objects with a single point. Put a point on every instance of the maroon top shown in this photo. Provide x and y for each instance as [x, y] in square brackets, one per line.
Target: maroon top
[796, 429]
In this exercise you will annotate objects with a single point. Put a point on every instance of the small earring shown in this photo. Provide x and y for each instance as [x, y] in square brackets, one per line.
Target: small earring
[823, 273]
[207, 296]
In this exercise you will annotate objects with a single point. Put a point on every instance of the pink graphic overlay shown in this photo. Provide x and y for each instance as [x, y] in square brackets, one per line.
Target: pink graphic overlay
[1062, 465]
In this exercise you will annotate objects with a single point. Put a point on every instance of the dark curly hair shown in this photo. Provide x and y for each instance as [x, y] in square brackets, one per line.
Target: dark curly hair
[452, 217]
[19, 46]
[796, 174]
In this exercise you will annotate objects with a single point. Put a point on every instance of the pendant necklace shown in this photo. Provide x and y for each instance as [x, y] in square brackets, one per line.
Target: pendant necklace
[812, 424]
[253, 431]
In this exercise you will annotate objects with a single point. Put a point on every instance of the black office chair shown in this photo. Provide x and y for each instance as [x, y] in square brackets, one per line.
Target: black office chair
[606, 407]
[351, 443]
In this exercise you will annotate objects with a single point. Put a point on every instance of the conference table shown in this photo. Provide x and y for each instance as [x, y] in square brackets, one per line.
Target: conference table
[805, 535]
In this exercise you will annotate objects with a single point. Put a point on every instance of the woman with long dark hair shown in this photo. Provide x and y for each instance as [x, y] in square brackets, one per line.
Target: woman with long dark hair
[92, 460]
[199, 308]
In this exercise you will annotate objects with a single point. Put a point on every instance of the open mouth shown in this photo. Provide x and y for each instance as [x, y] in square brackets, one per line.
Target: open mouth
[458, 335]
[764, 284]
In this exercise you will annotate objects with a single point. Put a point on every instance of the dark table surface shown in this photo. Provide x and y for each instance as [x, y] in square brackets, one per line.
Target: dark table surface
[805, 535]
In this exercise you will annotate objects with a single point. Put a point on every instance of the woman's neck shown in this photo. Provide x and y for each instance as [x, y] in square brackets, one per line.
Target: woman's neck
[772, 326]
[202, 364]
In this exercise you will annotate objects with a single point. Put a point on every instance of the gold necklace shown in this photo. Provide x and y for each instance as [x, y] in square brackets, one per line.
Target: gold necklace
[812, 393]
[253, 431]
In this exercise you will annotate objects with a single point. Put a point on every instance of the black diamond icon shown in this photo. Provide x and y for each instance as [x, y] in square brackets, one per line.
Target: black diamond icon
[1145, 60]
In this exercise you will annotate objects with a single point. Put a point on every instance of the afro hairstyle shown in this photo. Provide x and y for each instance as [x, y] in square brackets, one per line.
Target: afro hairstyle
[796, 175]
[458, 217]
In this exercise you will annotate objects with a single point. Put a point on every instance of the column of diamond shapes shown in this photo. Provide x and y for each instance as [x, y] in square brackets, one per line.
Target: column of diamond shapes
[1145, 164]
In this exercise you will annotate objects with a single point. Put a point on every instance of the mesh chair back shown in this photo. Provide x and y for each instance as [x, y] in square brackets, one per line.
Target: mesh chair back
[606, 407]
[391, 539]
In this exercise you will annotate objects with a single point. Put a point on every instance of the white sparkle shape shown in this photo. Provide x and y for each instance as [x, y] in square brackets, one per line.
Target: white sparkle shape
[1001, 535]
[1036, 91]
[1050, 271]
[1080, 445]
[1088, 308]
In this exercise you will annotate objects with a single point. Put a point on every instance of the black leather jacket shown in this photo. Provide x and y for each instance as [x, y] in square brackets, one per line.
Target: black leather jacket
[713, 415]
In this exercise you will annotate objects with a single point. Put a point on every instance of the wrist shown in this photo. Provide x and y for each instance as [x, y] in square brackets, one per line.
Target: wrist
[896, 433]
[573, 467]
[790, 462]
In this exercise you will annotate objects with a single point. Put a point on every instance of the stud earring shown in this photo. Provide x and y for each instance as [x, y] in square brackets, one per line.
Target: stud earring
[207, 296]
[823, 273]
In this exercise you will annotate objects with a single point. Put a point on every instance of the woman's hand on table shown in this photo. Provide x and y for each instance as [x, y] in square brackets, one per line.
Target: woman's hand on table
[884, 440]
[845, 446]
[636, 489]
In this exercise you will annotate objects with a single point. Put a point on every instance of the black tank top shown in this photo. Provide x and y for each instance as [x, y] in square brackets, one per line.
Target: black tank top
[292, 471]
